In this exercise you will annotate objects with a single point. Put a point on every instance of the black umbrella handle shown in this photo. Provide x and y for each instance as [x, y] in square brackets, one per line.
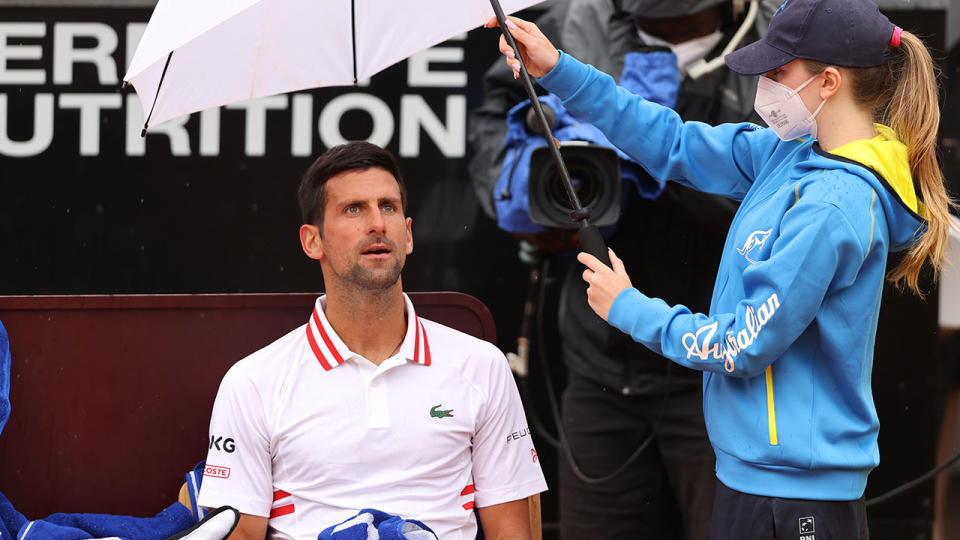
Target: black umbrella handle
[592, 242]
[590, 239]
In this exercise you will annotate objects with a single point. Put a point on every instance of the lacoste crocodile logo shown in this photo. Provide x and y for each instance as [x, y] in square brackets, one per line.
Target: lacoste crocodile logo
[435, 413]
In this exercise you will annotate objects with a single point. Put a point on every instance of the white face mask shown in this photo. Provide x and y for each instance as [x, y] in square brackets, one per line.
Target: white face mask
[688, 51]
[782, 109]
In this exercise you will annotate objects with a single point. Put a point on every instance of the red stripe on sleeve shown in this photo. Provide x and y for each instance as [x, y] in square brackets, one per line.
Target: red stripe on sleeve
[281, 511]
[326, 338]
[279, 494]
[467, 490]
[466, 506]
[316, 350]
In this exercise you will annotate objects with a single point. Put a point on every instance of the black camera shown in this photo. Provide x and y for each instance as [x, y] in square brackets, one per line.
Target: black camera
[595, 175]
[529, 195]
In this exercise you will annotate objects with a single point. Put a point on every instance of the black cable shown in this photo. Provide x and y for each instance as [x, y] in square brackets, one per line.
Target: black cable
[914, 483]
[533, 258]
[542, 431]
[555, 409]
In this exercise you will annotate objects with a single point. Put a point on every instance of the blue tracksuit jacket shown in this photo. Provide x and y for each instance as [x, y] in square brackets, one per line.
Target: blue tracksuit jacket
[787, 348]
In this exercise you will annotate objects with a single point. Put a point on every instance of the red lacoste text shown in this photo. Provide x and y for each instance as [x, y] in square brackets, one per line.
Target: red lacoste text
[216, 471]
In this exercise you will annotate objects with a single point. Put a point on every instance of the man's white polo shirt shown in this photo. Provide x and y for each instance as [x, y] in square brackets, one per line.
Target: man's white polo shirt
[308, 433]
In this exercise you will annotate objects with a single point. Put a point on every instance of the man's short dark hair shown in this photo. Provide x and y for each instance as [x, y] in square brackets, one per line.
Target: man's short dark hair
[351, 156]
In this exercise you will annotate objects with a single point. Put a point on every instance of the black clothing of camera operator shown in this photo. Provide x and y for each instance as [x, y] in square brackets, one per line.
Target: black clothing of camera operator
[615, 386]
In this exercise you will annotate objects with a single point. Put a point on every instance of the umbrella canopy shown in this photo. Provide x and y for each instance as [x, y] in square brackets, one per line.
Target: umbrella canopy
[197, 55]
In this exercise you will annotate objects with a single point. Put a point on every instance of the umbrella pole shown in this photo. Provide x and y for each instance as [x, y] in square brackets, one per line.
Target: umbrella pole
[591, 240]
[146, 123]
[353, 37]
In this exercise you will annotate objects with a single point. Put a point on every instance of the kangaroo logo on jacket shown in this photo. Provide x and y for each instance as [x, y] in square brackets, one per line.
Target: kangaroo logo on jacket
[755, 240]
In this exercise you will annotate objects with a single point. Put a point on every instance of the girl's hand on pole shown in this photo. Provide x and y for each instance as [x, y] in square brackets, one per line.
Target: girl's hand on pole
[605, 283]
[539, 55]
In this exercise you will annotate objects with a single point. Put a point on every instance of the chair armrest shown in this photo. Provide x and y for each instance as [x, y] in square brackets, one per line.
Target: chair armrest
[533, 505]
[184, 498]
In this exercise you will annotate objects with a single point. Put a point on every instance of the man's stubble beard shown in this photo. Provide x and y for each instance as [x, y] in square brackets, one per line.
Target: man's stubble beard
[361, 279]
[374, 279]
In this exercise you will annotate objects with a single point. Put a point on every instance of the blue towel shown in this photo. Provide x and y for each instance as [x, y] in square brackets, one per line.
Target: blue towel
[170, 521]
[11, 521]
[372, 524]
[397, 528]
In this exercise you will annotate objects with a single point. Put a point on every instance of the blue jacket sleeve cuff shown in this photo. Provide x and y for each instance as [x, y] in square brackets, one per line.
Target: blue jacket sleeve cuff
[559, 80]
[639, 316]
[625, 308]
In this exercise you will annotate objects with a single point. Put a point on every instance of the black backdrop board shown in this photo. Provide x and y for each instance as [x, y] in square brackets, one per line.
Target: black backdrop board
[208, 206]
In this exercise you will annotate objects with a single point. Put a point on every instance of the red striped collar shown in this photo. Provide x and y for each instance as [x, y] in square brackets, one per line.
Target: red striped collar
[330, 351]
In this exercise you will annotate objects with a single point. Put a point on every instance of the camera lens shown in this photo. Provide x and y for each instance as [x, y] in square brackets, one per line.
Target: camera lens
[585, 185]
[595, 175]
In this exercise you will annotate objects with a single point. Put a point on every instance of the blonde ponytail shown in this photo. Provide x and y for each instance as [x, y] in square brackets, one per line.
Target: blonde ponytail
[913, 112]
[903, 95]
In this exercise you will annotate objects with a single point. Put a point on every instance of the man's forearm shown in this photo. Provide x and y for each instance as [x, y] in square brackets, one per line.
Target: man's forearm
[506, 521]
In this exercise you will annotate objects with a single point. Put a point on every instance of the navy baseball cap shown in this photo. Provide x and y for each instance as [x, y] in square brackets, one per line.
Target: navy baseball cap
[849, 33]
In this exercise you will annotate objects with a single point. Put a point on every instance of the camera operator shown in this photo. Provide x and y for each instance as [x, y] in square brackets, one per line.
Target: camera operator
[619, 393]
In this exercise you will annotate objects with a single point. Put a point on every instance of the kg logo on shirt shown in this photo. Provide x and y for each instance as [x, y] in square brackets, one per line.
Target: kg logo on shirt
[225, 444]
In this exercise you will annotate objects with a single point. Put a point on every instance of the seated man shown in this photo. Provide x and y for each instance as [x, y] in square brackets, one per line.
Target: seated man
[368, 405]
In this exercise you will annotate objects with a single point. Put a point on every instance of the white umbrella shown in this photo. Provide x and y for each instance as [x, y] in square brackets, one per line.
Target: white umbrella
[200, 54]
